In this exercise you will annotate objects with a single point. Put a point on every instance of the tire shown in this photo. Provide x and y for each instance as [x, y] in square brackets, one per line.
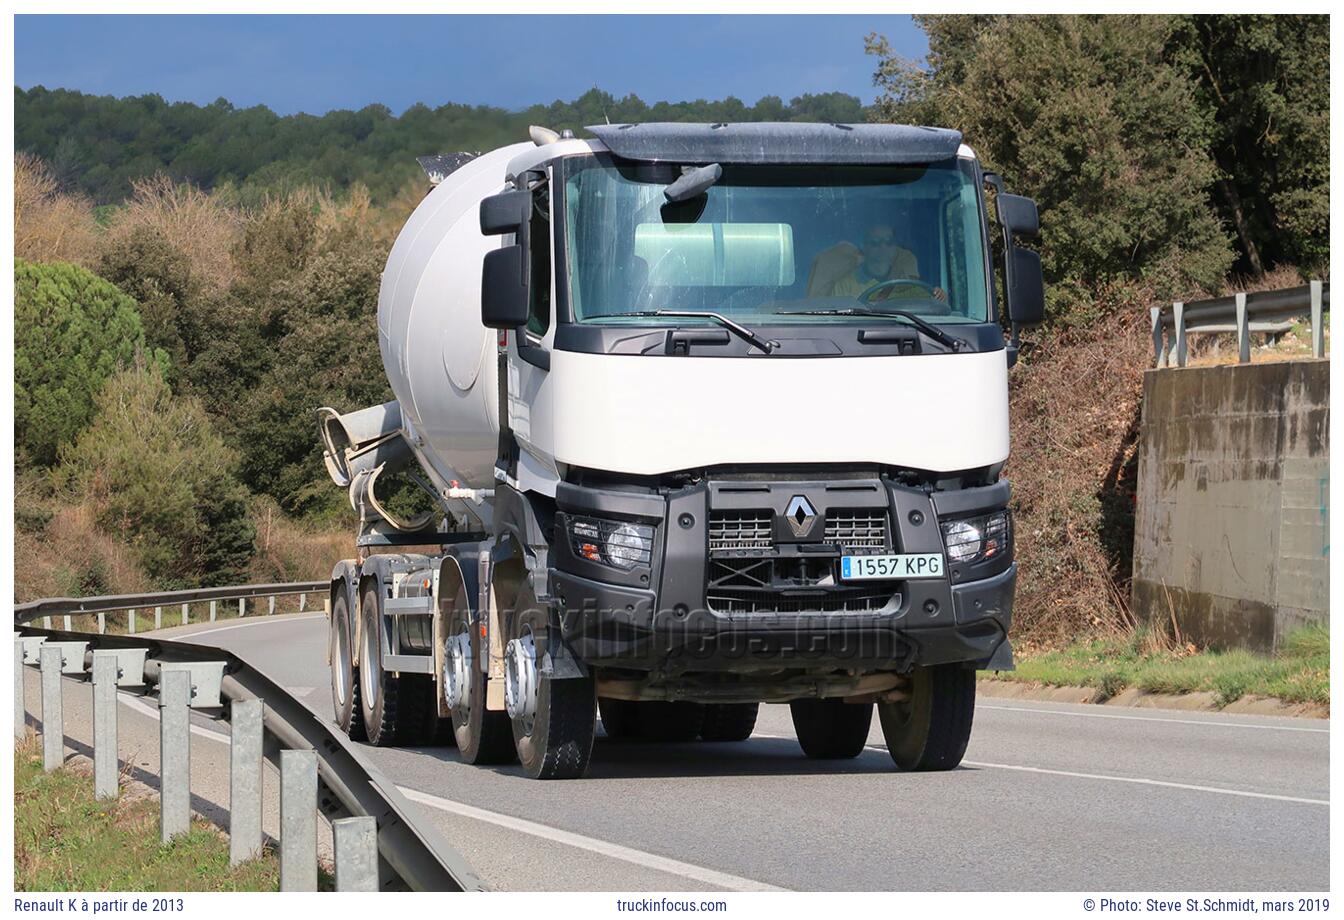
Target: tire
[729, 721]
[670, 722]
[620, 718]
[418, 721]
[378, 688]
[930, 730]
[831, 729]
[344, 674]
[482, 736]
[555, 742]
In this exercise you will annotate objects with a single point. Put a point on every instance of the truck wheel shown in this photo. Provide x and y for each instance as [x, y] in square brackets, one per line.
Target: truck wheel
[831, 729]
[729, 721]
[930, 730]
[670, 721]
[482, 736]
[620, 718]
[344, 674]
[377, 688]
[418, 719]
[554, 720]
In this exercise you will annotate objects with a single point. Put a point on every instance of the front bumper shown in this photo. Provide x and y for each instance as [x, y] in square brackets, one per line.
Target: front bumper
[675, 616]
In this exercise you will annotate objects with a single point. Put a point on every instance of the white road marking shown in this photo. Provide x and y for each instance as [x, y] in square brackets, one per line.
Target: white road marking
[140, 706]
[591, 844]
[259, 621]
[1114, 715]
[1142, 781]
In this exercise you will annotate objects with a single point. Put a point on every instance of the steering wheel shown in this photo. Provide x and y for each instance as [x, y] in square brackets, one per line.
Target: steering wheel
[870, 295]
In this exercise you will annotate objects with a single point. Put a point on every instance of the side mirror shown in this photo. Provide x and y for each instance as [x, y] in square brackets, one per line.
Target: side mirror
[1018, 215]
[1025, 294]
[1026, 288]
[504, 288]
[506, 212]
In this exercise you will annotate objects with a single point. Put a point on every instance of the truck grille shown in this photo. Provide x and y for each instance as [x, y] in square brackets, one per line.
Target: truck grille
[739, 530]
[862, 529]
[749, 585]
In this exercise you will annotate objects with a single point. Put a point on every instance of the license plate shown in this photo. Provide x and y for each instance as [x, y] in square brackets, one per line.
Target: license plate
[908, 565]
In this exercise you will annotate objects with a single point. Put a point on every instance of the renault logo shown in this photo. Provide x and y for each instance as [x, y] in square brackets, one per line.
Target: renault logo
[800, 514]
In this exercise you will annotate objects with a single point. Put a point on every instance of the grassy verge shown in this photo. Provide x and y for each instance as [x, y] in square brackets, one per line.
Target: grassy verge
[1299, 673]
[65, 840]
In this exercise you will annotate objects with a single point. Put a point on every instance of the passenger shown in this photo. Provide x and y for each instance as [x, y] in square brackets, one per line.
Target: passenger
[844, 270]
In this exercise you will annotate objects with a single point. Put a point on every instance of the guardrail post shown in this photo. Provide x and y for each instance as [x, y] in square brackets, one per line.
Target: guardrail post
[20, 707]
[46, 622]
[212, 611]
[1159, 346]
[68, 627]
[270, 606]
[102, 622]
[1243, 330]
[242, 607]
[185, 608]
[303, 602]
[53, 727]
[1178, 314]
[355, 841]
[1317, 321]
[245, 727]
[130, 621]
[174, 754]
[105, 667]
[298, 821]
[158, 618]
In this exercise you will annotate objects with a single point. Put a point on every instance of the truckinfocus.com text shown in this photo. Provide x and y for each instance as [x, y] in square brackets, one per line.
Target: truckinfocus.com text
[655, 905]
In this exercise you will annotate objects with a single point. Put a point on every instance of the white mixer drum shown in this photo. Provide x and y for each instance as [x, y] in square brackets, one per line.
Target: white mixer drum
[439, 359]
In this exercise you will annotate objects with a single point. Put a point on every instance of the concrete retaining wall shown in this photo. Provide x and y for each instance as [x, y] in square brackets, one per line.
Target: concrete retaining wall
[1232, 528]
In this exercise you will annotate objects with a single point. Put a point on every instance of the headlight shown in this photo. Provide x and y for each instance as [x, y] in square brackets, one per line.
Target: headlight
[613, 543]
[977, 539]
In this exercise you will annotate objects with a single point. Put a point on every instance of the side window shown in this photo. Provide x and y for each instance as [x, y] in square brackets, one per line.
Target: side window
[539, 308]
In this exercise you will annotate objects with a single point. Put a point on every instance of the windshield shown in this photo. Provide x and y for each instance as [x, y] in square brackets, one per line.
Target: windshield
[775, 244]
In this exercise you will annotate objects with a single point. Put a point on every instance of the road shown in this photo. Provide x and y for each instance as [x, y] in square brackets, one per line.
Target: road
[1050, 797]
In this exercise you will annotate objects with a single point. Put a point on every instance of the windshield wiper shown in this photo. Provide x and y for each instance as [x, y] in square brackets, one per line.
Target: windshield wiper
[740, 331]
[927, 328]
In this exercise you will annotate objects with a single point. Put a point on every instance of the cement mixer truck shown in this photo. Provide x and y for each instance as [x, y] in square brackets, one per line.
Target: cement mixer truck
[707, 416]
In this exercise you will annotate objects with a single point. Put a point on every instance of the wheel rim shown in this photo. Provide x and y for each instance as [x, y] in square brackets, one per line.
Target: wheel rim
[457, 663]
[368, 679]
[342, 660]
[520, 679]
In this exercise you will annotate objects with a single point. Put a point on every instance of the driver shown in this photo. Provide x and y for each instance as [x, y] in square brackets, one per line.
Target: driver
[844, 270]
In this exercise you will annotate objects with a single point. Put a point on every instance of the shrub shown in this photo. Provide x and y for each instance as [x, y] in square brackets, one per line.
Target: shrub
[50, 226]
[72, 330]
[151, 468]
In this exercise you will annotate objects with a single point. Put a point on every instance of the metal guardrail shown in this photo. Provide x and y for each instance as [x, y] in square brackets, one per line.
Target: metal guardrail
[411, 855]
[116, 603]
[1269, 312]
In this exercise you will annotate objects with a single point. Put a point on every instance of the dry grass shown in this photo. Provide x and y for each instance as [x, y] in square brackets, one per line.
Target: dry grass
[50, 226]
[59, 552]
[1075, 415]
[197, 224]
[288, 550]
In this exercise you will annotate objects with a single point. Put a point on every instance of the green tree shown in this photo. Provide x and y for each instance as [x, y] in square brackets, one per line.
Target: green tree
[1087, 115]
[72, 330]
[1263, 83]
[152, 469]
[146, 266]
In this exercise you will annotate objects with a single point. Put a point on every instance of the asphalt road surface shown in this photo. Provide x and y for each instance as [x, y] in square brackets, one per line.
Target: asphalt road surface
[1049, 797]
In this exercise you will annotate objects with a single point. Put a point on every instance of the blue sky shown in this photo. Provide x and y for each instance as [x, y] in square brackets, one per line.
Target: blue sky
[317, 63]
